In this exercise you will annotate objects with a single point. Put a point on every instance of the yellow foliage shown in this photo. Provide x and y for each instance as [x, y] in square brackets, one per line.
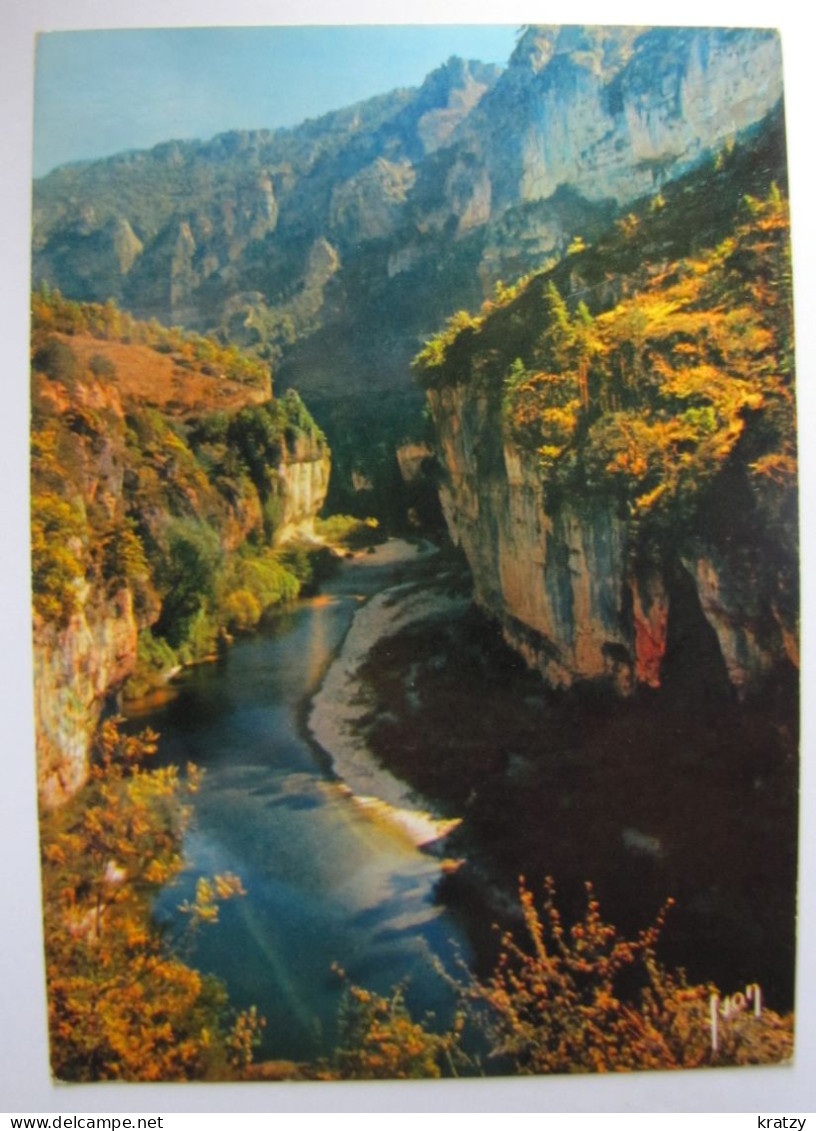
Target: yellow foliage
[121, 1006]
[378, 1040]
[555, 1002]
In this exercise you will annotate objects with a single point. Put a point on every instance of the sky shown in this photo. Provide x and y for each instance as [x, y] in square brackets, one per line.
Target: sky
[102, 92]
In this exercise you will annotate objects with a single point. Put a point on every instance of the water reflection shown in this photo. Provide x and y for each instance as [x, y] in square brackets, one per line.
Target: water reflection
[327, 882]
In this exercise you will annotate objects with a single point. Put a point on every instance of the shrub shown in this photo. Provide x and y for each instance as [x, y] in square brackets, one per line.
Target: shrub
[561, 1000]
[242, 611]
[102, 366]
[58, 361]
[585, 999]
[155, 660]
[123, 555]
[121, 1005]
[254, 583]
[346, 530]
[57, 534]
[378, 1040]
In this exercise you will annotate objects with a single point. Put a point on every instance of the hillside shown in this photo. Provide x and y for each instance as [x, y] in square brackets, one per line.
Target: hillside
[621, 476]
[335, 248]
[164, 477]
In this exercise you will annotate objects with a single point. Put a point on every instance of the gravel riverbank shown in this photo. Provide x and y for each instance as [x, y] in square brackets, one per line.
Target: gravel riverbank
[342, 705]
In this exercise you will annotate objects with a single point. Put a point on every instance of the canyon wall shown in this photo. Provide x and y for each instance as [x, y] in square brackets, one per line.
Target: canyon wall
[567, 581]
[131, 500]
[378, 221]
[622, 477]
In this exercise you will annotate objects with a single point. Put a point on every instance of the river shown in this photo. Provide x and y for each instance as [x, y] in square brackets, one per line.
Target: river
[664, 795]
[329, 878]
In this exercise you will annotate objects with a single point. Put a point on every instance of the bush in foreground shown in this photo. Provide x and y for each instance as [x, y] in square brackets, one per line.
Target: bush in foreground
[562, 1000]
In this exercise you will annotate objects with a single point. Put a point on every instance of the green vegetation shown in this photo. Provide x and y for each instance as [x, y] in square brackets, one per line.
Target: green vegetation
[435, 352]
[179, 511]
[366, 435]
[255, 582]
[186, 577]
[349, 532]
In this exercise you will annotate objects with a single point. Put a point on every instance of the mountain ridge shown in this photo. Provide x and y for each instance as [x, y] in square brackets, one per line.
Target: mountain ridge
[335, 248]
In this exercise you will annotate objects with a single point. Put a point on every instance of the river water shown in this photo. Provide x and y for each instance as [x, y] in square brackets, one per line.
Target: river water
[328, 880]
[646, 799]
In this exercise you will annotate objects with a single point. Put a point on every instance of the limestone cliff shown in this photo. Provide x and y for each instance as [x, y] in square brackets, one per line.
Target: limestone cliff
[143, 487]
[556, 580]
[303, 477]
[77, 666]
[623, 484]
[615, 112]
[566, 583]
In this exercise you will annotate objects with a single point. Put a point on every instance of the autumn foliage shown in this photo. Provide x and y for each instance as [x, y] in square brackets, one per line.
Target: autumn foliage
[646, 385]
[379, 1040]
[106, 322]
[585, 999]
[651, 397]
[122, 1004]
[560, 999]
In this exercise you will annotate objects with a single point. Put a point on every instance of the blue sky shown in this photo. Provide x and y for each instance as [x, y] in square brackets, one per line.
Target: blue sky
[101, 92]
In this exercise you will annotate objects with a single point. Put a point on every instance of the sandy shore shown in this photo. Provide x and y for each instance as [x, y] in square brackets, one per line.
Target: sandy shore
[342, 704]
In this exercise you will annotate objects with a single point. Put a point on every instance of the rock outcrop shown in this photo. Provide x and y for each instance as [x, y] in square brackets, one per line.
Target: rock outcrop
[615, 112]
[303, 478]
[567, 583]
[424, 197]
[622, 479]
[77, 667]
[555, 581]
[121, 480]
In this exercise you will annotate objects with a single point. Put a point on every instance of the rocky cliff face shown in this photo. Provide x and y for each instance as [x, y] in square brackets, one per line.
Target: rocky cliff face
[615, 112]
[76, 668]
[303, 477]
[134, 492]
[378, 221]
[567, 583]
[555, 580]
[184, 231]
[622, 480]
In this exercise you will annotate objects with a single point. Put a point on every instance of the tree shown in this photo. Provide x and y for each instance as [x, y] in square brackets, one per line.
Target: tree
[187, 576]
[559, 336]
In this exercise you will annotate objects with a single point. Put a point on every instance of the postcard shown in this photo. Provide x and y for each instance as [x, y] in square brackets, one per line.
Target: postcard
[415, 551]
